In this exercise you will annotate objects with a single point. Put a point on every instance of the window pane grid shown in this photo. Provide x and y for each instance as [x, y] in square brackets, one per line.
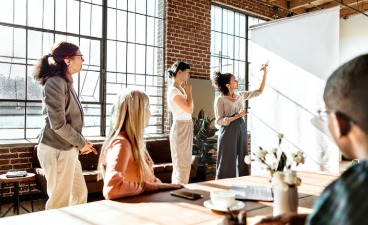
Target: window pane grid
[12, 63]
[228, 43]
[131, 28]
[32, 28]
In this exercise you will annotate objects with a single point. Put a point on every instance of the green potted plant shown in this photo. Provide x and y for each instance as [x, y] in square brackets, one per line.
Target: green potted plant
[204, 143]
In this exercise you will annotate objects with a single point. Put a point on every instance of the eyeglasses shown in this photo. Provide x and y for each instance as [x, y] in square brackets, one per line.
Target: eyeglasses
[322, 113]
[74, 55]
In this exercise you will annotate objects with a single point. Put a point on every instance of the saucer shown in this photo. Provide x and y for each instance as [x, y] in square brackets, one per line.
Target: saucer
[236, 206]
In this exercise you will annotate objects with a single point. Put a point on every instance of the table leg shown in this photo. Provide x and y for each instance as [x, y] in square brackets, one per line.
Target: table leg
[1, 198]
[11, 207]
[30, 194]
[16, 197]
[16, 203]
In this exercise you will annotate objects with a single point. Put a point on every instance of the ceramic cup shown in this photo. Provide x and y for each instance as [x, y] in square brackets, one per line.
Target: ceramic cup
[222, 199]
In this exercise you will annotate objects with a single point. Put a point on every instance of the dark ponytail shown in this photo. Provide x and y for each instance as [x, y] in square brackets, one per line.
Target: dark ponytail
[42, 69]
[46, 67]
[170, 73]
[173, 70]
[220, 80]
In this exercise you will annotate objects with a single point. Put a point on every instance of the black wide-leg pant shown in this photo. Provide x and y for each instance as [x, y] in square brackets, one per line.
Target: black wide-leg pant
[232, 147]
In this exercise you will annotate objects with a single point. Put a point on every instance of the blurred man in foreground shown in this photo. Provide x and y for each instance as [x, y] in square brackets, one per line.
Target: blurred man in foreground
[345, 200]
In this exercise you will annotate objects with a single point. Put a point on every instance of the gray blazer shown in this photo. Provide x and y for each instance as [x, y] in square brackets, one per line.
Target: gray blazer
[63, 115]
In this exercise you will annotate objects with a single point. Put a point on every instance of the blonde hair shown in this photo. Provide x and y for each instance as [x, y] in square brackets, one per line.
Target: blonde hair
[129, 114]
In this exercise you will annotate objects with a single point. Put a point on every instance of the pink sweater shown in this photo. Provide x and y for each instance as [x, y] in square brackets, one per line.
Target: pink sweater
[121, 177]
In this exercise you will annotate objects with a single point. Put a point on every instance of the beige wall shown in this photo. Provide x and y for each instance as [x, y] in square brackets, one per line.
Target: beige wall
[353, 37]
[203, 97]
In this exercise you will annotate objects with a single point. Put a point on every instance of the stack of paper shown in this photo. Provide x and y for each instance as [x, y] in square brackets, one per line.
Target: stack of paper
[11, 174]
[256, 193]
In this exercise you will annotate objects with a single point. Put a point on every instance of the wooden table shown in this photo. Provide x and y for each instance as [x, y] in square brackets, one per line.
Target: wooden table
[162, 208]
[16, 180]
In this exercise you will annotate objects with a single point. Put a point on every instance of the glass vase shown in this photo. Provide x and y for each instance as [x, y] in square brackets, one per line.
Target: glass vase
[285, 200]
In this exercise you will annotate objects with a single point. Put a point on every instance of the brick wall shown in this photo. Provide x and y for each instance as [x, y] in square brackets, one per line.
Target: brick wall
[188, 30]
[188, 38]
[188, 26]
[188, 33]
[16, 159]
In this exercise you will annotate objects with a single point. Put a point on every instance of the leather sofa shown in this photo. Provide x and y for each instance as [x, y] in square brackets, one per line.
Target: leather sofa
[89, 166]
[158, 149]
[160, 153]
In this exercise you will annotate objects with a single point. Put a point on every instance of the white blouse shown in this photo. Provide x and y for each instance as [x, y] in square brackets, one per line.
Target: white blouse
[178, 113]
[224, 107]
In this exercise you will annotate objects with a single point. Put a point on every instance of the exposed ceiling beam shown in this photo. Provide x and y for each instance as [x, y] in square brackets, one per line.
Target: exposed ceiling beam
[348, 7]
[345, 11]
[296, 4]
[359, 7]
[322, 6]
[283, 4]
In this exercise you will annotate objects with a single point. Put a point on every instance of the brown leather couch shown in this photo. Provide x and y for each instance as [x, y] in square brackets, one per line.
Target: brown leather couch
[89, 166]
[160, 153]
[158, 149]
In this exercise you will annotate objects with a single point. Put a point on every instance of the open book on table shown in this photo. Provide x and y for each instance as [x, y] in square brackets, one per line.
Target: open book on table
[256, 193]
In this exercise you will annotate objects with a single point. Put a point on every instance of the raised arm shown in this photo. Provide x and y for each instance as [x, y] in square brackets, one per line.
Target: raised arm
[263, 83]
[185, 104]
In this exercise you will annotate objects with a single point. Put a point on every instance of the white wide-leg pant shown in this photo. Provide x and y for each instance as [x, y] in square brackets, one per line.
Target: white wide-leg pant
[181, 145]
[65, 182]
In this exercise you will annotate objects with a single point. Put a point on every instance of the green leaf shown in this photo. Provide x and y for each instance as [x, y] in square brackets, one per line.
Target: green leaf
[282, 162]
[201, 114]
[203, 141]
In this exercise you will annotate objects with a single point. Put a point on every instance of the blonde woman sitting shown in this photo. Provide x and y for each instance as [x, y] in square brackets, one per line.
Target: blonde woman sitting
[125, 163]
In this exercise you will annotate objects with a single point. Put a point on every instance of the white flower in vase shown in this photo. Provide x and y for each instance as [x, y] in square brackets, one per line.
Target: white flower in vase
[273, 151]
[290, 177]
[285, 192]
[285, 179]
[279, 162]
[278, 180]
[298, 157]
[261, 154]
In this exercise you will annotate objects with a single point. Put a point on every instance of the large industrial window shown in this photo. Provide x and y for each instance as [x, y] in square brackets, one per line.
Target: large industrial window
[229, 43]
[122, 44]
[135, 53]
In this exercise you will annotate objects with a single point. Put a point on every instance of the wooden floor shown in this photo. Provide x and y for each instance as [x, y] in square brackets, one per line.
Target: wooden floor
[39, 204]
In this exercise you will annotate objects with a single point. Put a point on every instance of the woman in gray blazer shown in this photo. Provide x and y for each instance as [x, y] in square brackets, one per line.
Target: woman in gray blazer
[60, 140]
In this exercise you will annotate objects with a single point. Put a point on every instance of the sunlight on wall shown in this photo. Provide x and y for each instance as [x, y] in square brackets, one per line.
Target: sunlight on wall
[289, 105]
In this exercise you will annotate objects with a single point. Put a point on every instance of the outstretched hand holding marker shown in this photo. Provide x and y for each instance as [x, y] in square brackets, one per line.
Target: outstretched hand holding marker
[264, 65]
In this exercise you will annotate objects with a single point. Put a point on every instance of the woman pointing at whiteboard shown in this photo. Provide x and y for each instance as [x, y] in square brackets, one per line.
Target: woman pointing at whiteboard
[232, 144]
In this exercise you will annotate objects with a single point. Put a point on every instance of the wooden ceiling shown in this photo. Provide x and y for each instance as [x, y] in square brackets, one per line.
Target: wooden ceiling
[347, 7]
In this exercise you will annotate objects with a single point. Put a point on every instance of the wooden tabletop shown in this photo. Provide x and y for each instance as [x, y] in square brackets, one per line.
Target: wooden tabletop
[163, 208]
[29, 177]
